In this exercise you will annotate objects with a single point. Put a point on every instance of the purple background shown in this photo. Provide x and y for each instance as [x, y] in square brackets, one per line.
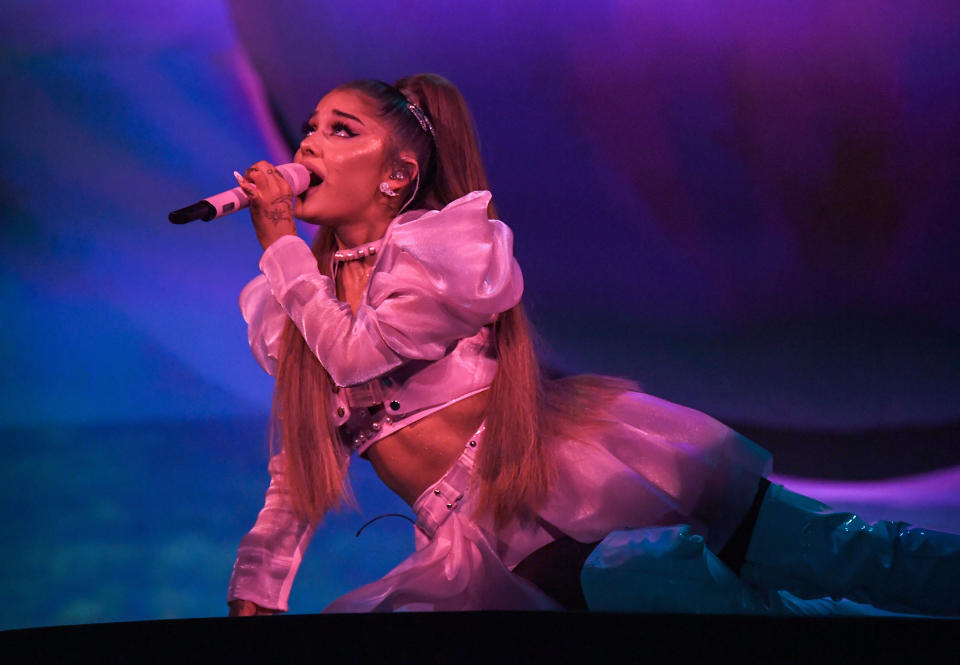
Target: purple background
[749, 207]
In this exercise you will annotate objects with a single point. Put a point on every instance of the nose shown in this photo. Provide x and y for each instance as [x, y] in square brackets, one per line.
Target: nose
[307, 146]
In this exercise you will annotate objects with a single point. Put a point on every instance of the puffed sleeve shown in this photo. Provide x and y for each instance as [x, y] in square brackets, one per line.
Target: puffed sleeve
[440, 277]
[270, 554]
[265, 321]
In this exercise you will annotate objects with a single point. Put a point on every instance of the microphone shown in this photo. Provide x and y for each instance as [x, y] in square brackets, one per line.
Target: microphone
[232, 200]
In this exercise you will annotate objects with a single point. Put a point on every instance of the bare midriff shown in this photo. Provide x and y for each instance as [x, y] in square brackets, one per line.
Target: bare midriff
[413, 458]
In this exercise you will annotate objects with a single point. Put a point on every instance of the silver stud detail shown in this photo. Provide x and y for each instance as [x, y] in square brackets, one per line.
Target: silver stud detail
[437, 492]
[473, 444]
[375, 427]
[449, 506]
[355, 253]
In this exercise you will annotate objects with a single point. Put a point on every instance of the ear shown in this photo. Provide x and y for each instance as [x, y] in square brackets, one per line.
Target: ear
[404, 170]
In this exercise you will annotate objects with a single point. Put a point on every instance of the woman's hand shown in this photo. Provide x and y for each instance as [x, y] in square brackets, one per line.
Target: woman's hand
[271, 202]
[246, 608]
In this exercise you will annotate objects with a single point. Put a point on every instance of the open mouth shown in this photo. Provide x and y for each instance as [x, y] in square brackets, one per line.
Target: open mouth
[315, 181]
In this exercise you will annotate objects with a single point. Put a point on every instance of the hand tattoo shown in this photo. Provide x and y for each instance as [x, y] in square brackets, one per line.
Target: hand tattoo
[281, 210]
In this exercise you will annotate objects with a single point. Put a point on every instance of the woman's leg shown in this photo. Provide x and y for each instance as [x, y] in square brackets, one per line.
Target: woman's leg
[734, 553]
[555, 569]
[799, 546]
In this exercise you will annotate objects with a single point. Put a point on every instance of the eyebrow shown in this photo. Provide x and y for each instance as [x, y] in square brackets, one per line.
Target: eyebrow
[343, 114]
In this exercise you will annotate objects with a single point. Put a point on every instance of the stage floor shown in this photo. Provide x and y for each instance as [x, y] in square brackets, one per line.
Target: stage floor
[492, 637]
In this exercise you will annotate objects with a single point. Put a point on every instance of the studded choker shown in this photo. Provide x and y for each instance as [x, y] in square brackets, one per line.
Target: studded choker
[358, 252]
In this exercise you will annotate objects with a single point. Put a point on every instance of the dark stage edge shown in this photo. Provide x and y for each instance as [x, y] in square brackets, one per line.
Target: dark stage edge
[490, 637]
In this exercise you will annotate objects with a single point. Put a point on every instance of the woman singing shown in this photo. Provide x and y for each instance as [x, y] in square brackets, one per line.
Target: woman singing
[400, 337]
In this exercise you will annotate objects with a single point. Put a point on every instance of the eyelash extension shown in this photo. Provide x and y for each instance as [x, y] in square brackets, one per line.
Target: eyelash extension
[338, 126]
[306, 128]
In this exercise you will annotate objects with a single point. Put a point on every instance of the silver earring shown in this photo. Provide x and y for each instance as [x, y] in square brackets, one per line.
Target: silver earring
[386, 189]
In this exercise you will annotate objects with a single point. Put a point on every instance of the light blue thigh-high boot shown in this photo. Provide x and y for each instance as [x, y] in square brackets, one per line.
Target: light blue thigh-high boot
[799, 546]
[668, 569]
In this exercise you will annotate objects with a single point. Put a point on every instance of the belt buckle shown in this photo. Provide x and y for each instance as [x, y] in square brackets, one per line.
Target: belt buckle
[366, 394]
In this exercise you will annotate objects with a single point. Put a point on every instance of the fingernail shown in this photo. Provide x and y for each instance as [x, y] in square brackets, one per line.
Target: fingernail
[242, 182]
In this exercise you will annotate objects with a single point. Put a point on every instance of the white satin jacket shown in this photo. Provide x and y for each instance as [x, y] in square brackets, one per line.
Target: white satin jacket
[421, 339]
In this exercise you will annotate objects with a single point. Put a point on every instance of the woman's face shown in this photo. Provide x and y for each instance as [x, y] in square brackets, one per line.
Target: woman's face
[346, 150]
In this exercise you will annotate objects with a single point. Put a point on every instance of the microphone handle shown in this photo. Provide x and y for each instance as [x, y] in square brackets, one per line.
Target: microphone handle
[224, 203]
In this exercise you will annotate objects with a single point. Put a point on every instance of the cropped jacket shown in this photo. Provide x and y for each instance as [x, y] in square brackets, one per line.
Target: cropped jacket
[421, 338]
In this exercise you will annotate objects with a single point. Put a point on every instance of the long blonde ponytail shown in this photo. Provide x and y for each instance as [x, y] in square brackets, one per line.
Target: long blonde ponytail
[525, 411]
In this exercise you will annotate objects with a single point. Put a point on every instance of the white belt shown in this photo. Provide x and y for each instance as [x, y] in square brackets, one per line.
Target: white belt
[442, 498]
